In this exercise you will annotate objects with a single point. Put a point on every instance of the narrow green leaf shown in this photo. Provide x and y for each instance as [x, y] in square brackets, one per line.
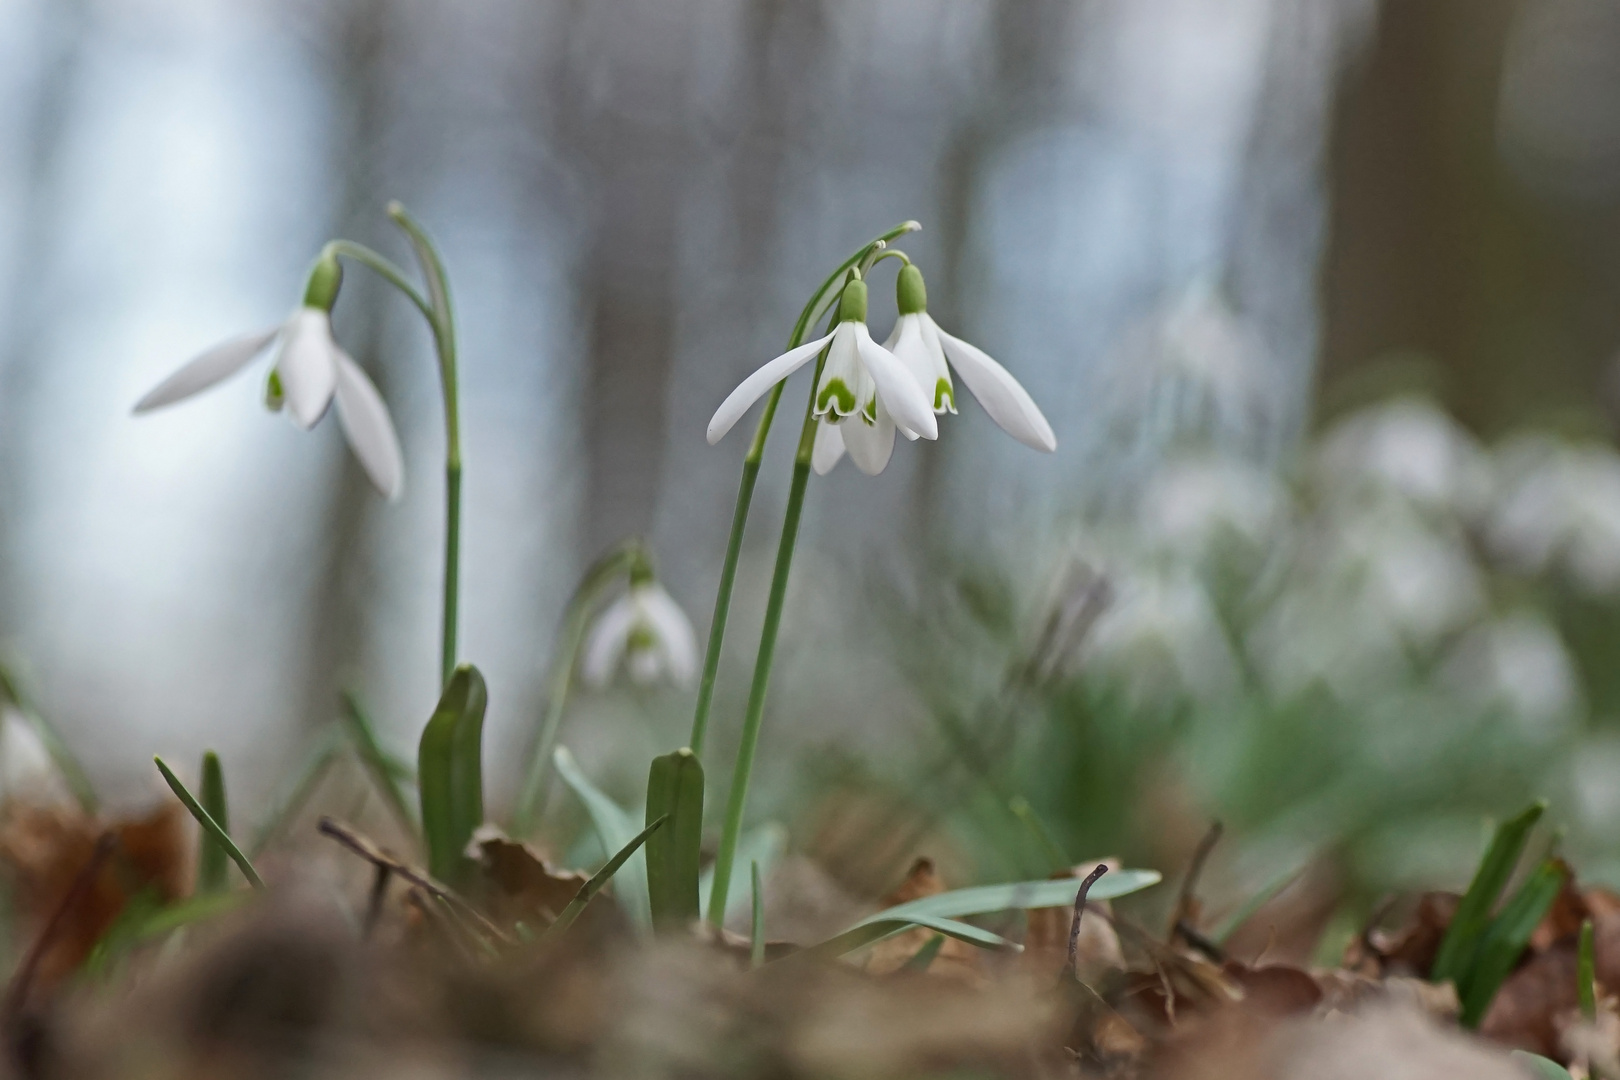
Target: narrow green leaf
[1474, 910]
[877, 928]
[1539, 1067]
[599, 879]
[924, 956]
[211, 858]
[941, 911]
[675, 792]
[210, 826]
[1586, 973]
[1505, 939]
[295, 793]
[756, 935]
[386, 771]
[449, 773]
[764, 845]
[615, 828]
[986, 899]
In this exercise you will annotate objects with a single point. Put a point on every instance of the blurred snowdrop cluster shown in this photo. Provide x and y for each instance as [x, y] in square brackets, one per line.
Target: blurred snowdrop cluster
[1559, 510]
[1398, 616]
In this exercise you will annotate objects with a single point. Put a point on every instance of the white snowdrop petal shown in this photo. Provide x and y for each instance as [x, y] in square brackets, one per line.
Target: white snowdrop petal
[368, 427]
[606, 642]
[829, 448]
[308, 366]
[672, 630]
[919, 353]
[905, 400]
[870, 445]
[214, 366]
[756, 385]
[1008, 403]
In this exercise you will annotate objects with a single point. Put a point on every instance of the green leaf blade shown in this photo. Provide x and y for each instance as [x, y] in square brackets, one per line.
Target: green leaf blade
[675, 792]
[449, 772]
[212, 859]
[212, 827]
[1505, 940]
[616, 828]
[1473, 912]
[588, 890]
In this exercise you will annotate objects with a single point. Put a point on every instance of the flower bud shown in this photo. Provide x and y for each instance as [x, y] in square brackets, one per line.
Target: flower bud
[852, 304]
[910, 295]
[324, 278]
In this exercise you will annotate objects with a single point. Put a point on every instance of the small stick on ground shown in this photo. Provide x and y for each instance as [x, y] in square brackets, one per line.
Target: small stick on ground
[375, 855]
[1188, 897]
[23, 980]
[1079, 910]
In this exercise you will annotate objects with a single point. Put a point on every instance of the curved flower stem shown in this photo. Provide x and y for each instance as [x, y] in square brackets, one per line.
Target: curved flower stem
[738, 797]
[537, 775]
[745, 491]
[435, 308]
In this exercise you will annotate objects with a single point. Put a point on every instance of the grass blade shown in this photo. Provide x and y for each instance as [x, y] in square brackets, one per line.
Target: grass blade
[763, 845]
[211, 858]
[1474, 910]
[599, 879]
[987, 899]
[385, 771]
[616, 828]
[210, 826]
[292, 796]
[756, 935]
[1503, 942]
[675, 793]
[924, 957]
[449, 773]
[879, 927]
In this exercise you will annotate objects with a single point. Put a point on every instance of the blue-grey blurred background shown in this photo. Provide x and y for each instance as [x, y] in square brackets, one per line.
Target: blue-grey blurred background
[1331, 282]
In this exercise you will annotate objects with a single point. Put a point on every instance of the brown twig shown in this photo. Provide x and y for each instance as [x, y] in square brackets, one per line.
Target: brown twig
[375, 855]
[1187, 898]
[23, 980]
[1079, 910]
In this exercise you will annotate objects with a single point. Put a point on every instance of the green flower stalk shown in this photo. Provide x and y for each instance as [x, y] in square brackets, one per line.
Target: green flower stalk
[750, 474]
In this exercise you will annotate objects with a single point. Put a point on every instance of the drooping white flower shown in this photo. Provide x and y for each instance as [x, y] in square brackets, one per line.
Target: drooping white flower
[646, 631]
[310, 371]
[864, 392]
[930, 355]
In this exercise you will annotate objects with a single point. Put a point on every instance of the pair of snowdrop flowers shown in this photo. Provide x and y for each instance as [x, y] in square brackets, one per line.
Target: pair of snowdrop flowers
[899, 385]
[309, 373]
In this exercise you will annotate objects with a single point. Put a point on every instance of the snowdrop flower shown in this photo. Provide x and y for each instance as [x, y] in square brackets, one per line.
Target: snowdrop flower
[864, 393]
[309, 373]
[647, 632]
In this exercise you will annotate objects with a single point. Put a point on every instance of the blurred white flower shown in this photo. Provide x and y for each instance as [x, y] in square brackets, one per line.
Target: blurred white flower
[1560, 506]
[1191, 500]
[861, 381]
[930, 354]
[646, 631]
[1411, 447]
[310, 371]
[1517, 662]
[1161, 634]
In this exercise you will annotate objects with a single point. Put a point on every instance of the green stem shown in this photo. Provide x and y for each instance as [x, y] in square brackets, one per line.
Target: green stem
[436, 308]
[536, 790]
[745, 491]
[738, 797]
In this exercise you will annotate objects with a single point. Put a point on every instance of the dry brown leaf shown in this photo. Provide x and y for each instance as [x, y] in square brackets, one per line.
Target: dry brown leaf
[515, 884]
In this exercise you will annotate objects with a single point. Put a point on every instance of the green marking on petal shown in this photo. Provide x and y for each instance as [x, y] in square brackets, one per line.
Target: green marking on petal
[869, 414]
[837, 392]
[641, 638]
[944, 395]
[275, 395]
